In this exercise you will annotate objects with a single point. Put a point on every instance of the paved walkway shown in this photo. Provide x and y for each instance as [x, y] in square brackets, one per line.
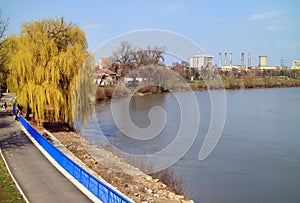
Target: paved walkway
[36, 176]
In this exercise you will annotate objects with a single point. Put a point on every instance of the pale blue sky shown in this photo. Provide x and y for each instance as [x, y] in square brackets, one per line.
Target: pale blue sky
[268, 27]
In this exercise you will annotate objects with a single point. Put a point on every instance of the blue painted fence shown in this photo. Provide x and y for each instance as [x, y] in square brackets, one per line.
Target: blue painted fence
[98, 188]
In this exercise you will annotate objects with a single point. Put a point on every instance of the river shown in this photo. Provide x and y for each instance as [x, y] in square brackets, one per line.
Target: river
[257, 158]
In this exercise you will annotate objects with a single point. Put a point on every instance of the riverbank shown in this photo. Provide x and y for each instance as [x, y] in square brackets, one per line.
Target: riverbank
[230, 83]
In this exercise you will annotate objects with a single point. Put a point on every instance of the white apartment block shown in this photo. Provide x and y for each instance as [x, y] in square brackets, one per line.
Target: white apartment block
[296, 64]
[200, 61]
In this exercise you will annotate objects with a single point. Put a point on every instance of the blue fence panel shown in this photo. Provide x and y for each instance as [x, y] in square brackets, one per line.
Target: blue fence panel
[15, 110]
[103, 193]
[84, 179]
[76, 173]
[94, 185]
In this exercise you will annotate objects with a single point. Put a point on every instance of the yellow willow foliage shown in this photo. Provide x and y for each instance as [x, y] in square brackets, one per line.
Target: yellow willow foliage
[83, 94]
[45, 59]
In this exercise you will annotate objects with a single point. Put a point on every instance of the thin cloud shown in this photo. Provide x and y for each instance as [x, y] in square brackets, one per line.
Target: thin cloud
[271, 21]
[273, 28]
[264, 16]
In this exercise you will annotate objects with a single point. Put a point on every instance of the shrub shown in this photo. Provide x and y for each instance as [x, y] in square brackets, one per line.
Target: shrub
[109, 91]
[168, 177]
[248, 82]
[149, 89]
[100, 94]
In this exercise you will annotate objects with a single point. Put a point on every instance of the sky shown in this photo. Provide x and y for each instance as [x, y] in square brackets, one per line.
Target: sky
[270, 27]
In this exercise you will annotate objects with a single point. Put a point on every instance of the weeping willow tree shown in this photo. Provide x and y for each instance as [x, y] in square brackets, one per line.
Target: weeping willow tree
[45, 59]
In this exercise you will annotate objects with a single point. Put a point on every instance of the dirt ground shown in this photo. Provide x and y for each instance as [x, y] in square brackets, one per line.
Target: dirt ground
[130, 181]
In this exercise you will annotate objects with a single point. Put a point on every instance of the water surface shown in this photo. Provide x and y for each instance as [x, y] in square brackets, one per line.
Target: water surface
[257, 158]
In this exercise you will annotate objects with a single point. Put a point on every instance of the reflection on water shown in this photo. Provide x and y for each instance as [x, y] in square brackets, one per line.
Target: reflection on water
[257, 158]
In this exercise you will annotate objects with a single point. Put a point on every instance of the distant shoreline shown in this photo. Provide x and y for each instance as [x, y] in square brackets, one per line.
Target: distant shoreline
[228, 83]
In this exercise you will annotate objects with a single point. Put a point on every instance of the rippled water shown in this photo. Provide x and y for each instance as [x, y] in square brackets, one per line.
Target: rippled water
[257, 158]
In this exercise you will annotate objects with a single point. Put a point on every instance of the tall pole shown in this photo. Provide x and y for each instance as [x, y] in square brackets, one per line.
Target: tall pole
[249, 59]
[242, 59]
[220, 59]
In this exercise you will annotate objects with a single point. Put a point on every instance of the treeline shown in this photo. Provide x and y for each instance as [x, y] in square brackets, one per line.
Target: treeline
[128, 57]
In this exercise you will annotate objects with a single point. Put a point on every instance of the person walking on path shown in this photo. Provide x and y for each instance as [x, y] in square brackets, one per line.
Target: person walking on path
[18, 115]
[4, 106]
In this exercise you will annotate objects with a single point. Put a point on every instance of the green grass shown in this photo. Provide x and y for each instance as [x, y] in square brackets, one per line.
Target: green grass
[8, 189]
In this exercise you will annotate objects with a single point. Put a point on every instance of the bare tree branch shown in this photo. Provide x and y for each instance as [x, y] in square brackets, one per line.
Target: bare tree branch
[130, 57]
[3, 52]
[3, 26]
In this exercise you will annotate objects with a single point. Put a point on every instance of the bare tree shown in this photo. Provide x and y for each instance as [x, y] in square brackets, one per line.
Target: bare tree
[154, 56]
[3, 26]
[123, 57]
[140, 57]
[149, 56]
[124, 54]
[180, 69]
[3, 51]
[129, 57]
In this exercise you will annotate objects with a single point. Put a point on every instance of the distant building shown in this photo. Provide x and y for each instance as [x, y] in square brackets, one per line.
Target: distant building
[200, 61]
[263, 64]
[104, 77]
[104, 62]
[262, 61]
[296, 64]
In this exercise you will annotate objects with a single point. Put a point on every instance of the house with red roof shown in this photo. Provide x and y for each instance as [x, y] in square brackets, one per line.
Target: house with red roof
[105, 77]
